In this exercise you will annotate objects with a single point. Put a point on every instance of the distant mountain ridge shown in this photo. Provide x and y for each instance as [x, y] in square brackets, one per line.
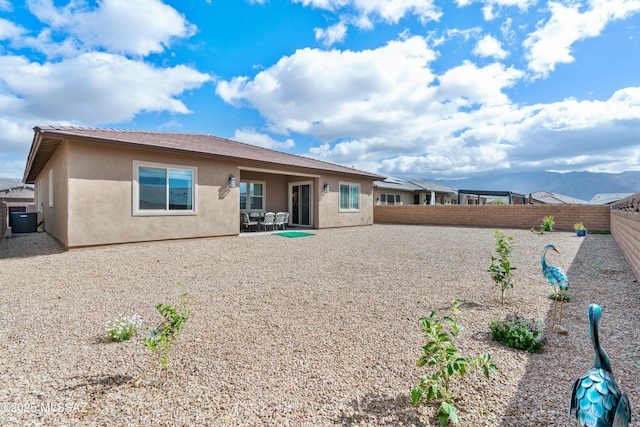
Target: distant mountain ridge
[580, 185]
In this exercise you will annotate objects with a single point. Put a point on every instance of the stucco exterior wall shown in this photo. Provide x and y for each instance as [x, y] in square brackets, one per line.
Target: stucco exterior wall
[53, 209]
[100, 194]
[329, 214]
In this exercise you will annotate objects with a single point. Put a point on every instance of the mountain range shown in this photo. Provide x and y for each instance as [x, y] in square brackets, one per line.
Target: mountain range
[580, 185]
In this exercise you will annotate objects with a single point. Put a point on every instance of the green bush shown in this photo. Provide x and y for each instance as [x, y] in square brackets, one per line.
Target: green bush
[519, 333]
[162, 338]
[547, 224]
[445, 362]
[501, 269]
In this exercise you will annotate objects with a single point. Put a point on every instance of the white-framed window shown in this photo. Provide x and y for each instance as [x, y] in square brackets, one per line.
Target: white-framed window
[349, 197]
[51, 188]
[164, 189]
[389, 199]
[252, 196]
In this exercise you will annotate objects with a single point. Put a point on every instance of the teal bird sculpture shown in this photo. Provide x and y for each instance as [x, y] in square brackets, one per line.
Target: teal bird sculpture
[596, 398]
[557, 278]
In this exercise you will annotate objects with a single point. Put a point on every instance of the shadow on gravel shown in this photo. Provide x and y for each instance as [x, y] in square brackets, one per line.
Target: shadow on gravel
[380, 410]
[29, 245]
[97, 382]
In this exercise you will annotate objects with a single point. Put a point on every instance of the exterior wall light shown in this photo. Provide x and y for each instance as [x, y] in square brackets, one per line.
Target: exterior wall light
[327, 187]
[232, 181]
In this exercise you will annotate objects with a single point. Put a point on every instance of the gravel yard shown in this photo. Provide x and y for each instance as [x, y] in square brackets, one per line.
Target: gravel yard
[314, 331]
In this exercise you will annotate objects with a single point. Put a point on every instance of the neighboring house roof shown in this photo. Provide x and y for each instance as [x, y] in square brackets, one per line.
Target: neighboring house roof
[608, 198]
[395, 184]
[47, 139]
[548, 197]
[412, 185]
[11, 183]
[429, 186]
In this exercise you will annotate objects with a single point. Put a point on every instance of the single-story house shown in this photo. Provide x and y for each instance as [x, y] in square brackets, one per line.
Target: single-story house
[17, 196]
[105, 186]
[484, 197]
[394, 191]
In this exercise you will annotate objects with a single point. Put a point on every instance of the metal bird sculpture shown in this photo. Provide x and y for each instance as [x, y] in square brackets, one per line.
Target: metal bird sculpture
[556, 277]
[595, 397]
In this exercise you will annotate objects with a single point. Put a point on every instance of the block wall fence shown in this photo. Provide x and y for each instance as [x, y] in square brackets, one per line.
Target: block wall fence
[622, 219]
[594, 217]
[625, 227]
[3, 217]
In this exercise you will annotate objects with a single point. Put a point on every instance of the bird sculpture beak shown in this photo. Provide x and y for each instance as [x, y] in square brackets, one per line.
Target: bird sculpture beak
[556, 250]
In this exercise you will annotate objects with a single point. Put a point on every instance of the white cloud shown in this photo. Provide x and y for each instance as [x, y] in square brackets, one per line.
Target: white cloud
[9, 30]
[143, 26]
[93, 87]
[489, 46]
[331, 35]
[390, 11]
[551, 43]
[333, 93]
[250, 136]
[5, 5]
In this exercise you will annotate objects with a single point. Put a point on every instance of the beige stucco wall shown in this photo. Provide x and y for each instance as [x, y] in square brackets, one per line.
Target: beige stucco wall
[100, 194]
[329, 214]
[55, 221]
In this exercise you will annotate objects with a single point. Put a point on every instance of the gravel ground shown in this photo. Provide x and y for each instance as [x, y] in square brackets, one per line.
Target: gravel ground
[318, 331]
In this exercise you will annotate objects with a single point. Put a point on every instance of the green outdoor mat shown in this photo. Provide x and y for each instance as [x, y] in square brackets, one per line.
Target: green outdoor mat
[294, 234]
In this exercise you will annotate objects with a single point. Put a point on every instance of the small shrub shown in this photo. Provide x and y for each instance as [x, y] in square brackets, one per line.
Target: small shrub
[547, 224]
[562, 294]
[162, 338]
[443, 358]
[519, 333]
[501, 269]
[123, 328]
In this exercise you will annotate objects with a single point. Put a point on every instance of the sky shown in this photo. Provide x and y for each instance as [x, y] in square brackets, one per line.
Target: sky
[402, 88]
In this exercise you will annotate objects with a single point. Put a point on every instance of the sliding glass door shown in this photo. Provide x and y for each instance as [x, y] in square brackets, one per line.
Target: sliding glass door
[301, 207]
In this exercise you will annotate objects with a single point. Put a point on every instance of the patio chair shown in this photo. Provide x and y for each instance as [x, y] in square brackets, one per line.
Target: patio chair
[269, 220]
[246, 223]
[282, 218]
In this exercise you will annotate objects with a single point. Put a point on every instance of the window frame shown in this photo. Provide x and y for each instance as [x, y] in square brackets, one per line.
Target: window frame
[395, 196]
[50, 188]
[353, 186]
[137, 164]
[247, 207]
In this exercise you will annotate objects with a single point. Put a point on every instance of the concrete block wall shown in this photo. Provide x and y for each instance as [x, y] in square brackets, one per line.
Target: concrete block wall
[625, 227]
[594, 217]
[4, 218]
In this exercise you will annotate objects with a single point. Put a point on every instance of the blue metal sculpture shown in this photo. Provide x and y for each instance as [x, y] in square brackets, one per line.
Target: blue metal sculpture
[595, 397]
[556, 277]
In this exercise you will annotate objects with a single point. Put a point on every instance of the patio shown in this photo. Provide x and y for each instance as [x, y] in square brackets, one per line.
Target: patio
[311, 331]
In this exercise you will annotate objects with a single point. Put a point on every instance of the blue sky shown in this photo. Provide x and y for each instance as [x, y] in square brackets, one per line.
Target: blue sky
[404, 88]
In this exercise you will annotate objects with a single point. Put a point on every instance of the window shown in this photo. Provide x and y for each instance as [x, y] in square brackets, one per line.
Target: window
[349, 197]
[252, 195]
[51, 188]
[164, 189]
[390, 199]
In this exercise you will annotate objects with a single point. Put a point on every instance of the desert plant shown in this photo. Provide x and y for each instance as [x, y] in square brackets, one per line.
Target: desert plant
[519, 333]
[123, 328]
[446, 363]
[501, 269]
[562, 294]
[162, 339]
[547, 224]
